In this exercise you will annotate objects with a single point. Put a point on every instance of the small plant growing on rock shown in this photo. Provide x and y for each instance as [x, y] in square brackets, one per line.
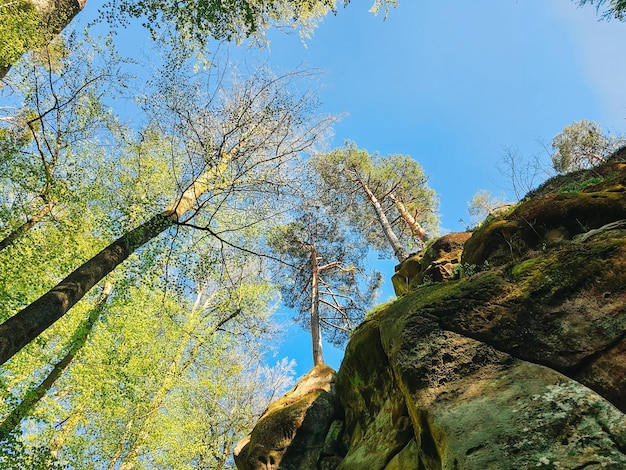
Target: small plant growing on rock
[578, 187]
[467, 269]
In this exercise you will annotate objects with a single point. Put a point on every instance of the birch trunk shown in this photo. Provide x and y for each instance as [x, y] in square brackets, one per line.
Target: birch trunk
[27, 324]
[183, 358]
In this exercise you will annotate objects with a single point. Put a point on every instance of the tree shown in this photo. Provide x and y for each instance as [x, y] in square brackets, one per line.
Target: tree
[62, 95]
[128, 398]
[323, 275]
[615, 8]
[27, 25]
[582, 144]
[231, 20]
[219, 306]
[386, 198]
[482, 205]
[237, 142]
[32, 397]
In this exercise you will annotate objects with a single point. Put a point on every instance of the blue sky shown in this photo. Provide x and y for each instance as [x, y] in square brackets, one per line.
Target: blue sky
[453, 82]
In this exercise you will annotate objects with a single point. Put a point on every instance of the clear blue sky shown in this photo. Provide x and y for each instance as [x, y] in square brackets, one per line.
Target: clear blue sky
[452, 82]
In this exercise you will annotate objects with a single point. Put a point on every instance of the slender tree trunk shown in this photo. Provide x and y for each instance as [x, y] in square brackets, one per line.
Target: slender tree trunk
[183, 358]
[120, 446]
[67, 428]
[316, 335]
[27, 324]
[79, 339]
[54, 16]
[25, 227]
[416, 229]
[399, 250]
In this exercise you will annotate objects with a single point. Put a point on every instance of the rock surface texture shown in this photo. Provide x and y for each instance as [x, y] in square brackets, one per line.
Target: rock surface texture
[298, 431]
[512, 357]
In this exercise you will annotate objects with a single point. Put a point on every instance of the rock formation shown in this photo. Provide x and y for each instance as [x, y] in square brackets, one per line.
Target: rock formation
[505, 350]
[296, 431]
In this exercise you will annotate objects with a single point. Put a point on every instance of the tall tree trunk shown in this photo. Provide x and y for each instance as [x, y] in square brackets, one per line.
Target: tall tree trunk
[119, 450]
[416, 229]
[25, 227]
[79, 339]
[316, 335]
[27, 324]
[183, 358]
[399, 250]
[54, 16]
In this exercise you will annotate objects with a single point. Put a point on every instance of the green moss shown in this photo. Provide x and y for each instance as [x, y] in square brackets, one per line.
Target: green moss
[530, 267]
[449, 296]
[376, 310]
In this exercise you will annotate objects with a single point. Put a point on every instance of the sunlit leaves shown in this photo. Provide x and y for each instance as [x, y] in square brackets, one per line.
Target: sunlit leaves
[582, 144]
[19, 30]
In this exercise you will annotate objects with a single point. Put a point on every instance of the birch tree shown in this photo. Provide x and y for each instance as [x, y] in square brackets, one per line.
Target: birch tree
[55, 108]
[217, 308]
[11, 421]
[162, 371]
[240, 140]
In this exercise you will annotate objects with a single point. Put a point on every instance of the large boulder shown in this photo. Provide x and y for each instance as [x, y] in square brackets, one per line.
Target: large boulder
[438, 262]
[565, 207]
[293, 433]
[448, 401]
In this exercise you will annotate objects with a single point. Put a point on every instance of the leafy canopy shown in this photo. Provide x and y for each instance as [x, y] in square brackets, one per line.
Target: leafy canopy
[199, 21]
[393, 179]
[582, 144]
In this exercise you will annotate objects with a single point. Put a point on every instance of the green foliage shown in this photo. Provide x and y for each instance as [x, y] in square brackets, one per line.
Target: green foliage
[154, 357]
[482, 205]
[172, 373]
[19, 30]
[467, 269]
[615, 8]
[582, 144]
[578, 187]
[199, 21]
[62, 114]
[398, 176]
[345, 289]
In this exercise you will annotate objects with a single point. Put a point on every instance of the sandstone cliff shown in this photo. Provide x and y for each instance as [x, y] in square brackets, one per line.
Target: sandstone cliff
[505, 350]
